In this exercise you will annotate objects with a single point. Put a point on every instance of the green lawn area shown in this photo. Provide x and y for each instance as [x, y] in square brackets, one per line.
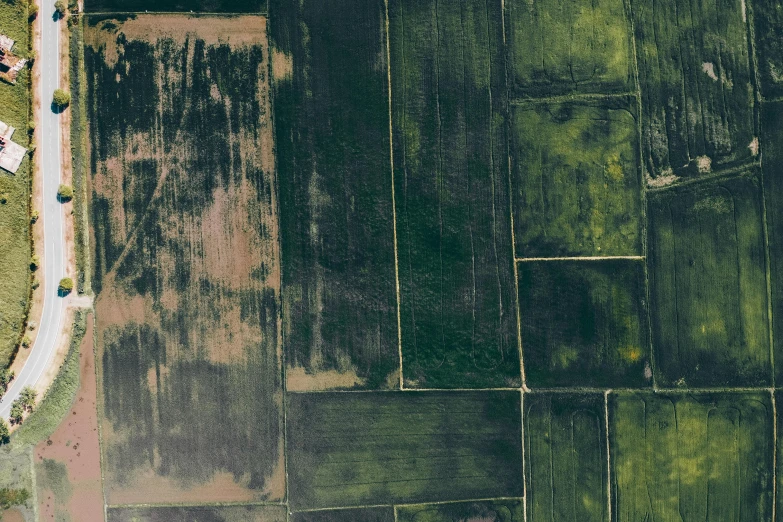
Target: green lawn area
[14, 213]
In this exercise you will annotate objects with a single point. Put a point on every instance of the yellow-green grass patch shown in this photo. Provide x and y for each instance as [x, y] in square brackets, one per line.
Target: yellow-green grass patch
[576, 179]
[708, 287]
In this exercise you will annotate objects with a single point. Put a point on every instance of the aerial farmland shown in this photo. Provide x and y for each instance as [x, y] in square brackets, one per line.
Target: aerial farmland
[417, 261]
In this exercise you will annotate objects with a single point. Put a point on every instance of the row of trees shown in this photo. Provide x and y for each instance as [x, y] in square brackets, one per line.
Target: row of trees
[23, 404]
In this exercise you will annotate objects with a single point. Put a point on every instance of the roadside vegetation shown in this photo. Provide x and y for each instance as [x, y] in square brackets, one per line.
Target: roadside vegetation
[15, 237]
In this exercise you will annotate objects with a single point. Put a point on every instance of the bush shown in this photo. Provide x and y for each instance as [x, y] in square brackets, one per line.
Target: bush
[66, 285]
[5, 434]
[26, 341]
[35, 262]
[60, 7]
[17, 412]
[32, 11]
[27, 398]
[65, 193]
[61, 98]
[34, 215]
[6, 376]
[31, 127]
[4, 197]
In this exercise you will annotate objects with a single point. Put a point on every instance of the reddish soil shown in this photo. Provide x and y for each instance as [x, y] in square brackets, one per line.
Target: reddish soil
[12, 515]
[75, 444]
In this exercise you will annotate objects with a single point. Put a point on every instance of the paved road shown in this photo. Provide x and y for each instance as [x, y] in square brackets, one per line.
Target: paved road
[52, 214]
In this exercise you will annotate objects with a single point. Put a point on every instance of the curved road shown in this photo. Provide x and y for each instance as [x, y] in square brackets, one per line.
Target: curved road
[52, 214]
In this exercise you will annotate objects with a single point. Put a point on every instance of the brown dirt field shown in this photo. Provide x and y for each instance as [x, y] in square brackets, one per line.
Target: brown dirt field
[75, 444]
[187, 261]
[12, 515]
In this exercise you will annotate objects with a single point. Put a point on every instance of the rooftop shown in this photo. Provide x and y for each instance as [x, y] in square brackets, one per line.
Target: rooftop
[11, 154]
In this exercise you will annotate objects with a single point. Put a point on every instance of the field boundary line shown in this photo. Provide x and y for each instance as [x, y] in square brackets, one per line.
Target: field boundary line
[768, 273]
[393, 191]
[774, 453]
[231, 14]
[650, 390]
[524, 456]
[407, 390]
[735, 171]
[608, 456]
[576, 97]
[408, 504]
[576, 258]
[394, 508]
[198, 504]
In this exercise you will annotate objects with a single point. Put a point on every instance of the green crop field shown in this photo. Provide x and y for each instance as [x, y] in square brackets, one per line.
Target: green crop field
[772, 136]
[565, 457]
[576, 179]
[375, 448]
[187, 258]
[695, 76]
[15, 248]
[378, 514]
[332, 128]
[691, 456]
[505, 510]
[206, 6]
[768, 27]
[560, 47]
[198, 514]
[708, 284]
[584, 323]
[450, 155]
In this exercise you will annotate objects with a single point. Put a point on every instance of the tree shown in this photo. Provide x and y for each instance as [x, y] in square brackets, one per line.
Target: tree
[6, 376]
[5, 433]
[34, 215]
[17, 412]
[35, 262]
[61, 98]
[32, 11]
[60, 7]
[27, 398]
[66, 285]
[65, 193]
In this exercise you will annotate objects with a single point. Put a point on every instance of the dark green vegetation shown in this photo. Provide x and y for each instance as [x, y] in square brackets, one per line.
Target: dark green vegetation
[576, 179]
[695, 78]
[198, 514]
[15, 211]
[708, 287]
[691, 457]
[772, 138]
[13, 497]
[485, 511]
[451, 179]
[584, 323]
[768, 25]
[59, 397]
[170, 6]
[381, 514]
[561, 47]
[565, 455]
[412, 447]
[186, 259]
[333, 159]
[80, 158]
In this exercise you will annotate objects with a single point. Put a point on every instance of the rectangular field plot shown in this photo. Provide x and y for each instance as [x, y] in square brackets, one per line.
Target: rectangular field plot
[376, 514]
[187, 259]
[354, 449]
[198, 514]
[558, 47]
[696, 84]
[170, 6]
[768, 24]
[772, 138]
[506, 510]
[708, 287]
[576, 179]
[584, 323]
[336, 215]
[565, 455]
[691, 457]
[454, 241]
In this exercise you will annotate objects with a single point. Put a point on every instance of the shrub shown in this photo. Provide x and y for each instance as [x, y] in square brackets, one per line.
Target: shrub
[34, 215]
[60, 7]
[27, 398]
[32, 11]
[5, 434]
[66, 285]
[61, 98]
[13, 497]
[17, 412]
[30, 126]
[26, 341]
[4, 197]
[35, 262]
[65, 192]
[6, 376]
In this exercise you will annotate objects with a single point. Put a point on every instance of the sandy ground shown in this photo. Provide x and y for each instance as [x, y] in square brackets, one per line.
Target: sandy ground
[75, 443]
[12, 515]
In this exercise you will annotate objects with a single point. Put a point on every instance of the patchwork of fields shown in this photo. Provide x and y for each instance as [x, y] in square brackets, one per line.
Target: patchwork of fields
[437, 260]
